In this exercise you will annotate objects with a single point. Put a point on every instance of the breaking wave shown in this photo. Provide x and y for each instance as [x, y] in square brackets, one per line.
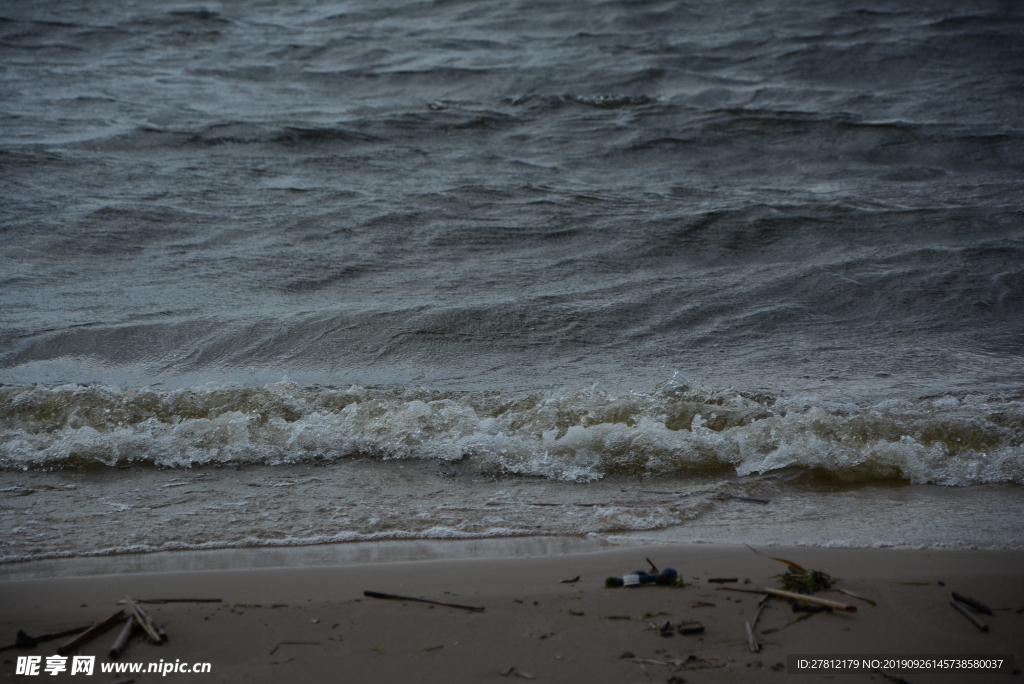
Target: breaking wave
[570, 435]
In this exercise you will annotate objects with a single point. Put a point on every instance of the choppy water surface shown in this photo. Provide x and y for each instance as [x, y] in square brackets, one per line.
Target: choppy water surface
[768, 250]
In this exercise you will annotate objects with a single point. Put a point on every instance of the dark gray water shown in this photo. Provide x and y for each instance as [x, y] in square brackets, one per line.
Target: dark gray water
[574, 241]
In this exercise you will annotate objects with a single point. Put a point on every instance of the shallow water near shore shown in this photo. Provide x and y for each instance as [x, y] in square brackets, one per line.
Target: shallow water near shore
[147, 520]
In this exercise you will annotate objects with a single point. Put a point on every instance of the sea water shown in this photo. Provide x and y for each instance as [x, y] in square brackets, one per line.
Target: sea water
[290, 273]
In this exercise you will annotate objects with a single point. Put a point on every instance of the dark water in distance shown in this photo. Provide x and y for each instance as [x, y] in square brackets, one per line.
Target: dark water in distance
[574, 241]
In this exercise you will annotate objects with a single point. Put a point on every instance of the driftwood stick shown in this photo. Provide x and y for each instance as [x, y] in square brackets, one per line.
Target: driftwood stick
[757, 617]
[969, 615]
[25, 641]
[793, 596]
[396, 597]
[751, 641]
[153, 630]
[972, 603]
[176, 600]
[91, 633]
[122, 639]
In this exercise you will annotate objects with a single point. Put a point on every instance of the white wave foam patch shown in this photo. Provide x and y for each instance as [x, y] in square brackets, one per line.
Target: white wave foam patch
[563, 435]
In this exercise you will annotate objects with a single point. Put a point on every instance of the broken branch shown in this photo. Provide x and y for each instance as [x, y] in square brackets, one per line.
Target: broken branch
[91, 633]
[751, 641]
[152, 629]
[793, 596]
[396, 597]
[969, 615]
[972, 603]
[122, 639]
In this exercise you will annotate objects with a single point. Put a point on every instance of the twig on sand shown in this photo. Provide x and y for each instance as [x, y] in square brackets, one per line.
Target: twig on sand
[91, 633]
[396, 597]
[176, 600]
[969, 615]
[690, 627]
[23, 640]
[516, 673]
[292, 643]
[153, 630]
[751, 640]
[122, 639]
[793, 596]
[972, 603]
[760, 607]
[856, 596]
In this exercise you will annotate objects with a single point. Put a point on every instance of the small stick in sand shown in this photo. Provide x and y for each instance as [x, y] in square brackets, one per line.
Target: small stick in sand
[751, 641]
[793, 596]
[690, 627]
[156, 635]
[760, 607]
[396, 597]
[972, 603]
[91, 633]
[723, 580]
[177, 600]
[969, 615]
[745, 591]
[23, 640]
[294, 643]
[122, 639]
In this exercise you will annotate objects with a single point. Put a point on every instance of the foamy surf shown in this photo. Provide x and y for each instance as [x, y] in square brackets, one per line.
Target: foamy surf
[564, 435]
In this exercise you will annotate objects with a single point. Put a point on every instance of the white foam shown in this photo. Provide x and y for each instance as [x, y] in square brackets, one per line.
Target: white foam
[571, 436]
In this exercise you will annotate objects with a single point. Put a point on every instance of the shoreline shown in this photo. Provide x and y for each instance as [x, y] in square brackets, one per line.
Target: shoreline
[537, 624]
[384, 551]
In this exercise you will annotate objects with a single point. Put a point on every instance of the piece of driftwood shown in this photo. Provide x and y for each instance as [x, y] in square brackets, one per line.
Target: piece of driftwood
[292, 643]
[688, 627]
[123, 638]
[856, 596]
[91, 633]
[723, 580]
[972, 603]
[396, 597]
[760, 607]
[176, 600]
[793, 596]
[23, 640]
[751, 641]
[571, 580]
[153, 630]
[965, 611]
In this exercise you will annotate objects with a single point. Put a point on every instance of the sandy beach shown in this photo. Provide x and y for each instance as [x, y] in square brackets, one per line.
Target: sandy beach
[316, 625]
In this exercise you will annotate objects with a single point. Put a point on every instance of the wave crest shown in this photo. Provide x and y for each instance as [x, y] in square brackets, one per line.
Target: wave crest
[572, 435]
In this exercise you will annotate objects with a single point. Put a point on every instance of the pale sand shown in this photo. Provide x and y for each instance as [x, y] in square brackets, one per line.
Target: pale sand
[551, 631]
